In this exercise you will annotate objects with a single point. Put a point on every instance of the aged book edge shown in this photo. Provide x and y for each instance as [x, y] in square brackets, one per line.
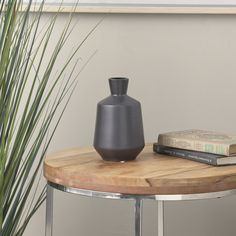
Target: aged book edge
[201, 146]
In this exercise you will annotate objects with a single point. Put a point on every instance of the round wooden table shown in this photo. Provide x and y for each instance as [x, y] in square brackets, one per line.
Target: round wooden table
[150, 176]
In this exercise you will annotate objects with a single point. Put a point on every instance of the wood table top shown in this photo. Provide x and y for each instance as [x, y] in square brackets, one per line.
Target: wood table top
[150, 173]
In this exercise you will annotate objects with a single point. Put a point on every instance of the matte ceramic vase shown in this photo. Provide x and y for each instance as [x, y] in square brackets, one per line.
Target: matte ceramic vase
[119, 127]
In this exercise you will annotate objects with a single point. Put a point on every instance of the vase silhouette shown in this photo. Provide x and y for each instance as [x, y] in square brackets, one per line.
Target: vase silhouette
[119, 127]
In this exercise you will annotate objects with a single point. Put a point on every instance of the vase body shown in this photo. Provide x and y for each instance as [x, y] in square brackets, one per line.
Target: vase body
[119, 127]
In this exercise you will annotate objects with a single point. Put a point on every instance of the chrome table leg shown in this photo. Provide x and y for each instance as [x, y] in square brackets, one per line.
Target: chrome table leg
[160, 219]
[138, 217]
[49, 211]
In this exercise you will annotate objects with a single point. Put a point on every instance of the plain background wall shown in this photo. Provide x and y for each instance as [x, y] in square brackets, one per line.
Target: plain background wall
[182, 68]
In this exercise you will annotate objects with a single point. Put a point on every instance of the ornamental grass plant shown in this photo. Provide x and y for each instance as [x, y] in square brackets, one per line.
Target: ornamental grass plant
[30, 98]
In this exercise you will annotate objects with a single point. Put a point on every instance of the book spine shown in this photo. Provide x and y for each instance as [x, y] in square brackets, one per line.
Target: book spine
[190, 155]
[200, 146]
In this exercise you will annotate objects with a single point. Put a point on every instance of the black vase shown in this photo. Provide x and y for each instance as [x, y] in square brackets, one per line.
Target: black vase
[119, 127]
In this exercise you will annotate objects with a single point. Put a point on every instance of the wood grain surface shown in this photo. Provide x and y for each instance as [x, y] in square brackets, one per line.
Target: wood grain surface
[150, 173]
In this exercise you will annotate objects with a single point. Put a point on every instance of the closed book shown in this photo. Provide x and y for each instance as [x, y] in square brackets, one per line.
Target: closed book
[200, 140]
[207, 158]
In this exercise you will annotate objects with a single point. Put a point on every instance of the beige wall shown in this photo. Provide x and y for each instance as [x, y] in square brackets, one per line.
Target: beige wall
[183, 70]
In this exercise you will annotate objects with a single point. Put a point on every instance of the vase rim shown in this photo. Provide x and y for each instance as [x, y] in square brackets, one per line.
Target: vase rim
[118, 78]
[118, 85]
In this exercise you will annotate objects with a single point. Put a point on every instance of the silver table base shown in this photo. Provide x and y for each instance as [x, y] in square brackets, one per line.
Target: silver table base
[138, 203]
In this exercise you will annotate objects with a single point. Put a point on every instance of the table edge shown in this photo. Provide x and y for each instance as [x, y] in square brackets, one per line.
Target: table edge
[158, 197]
[147, 186]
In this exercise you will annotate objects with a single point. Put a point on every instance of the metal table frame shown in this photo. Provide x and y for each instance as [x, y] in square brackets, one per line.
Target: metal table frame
[138, 203]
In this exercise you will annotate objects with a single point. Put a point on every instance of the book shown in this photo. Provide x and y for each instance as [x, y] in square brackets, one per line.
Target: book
[200, 140]
[203, 157]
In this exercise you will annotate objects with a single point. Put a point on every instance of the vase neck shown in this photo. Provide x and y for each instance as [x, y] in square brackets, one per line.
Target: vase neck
[118, 85]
